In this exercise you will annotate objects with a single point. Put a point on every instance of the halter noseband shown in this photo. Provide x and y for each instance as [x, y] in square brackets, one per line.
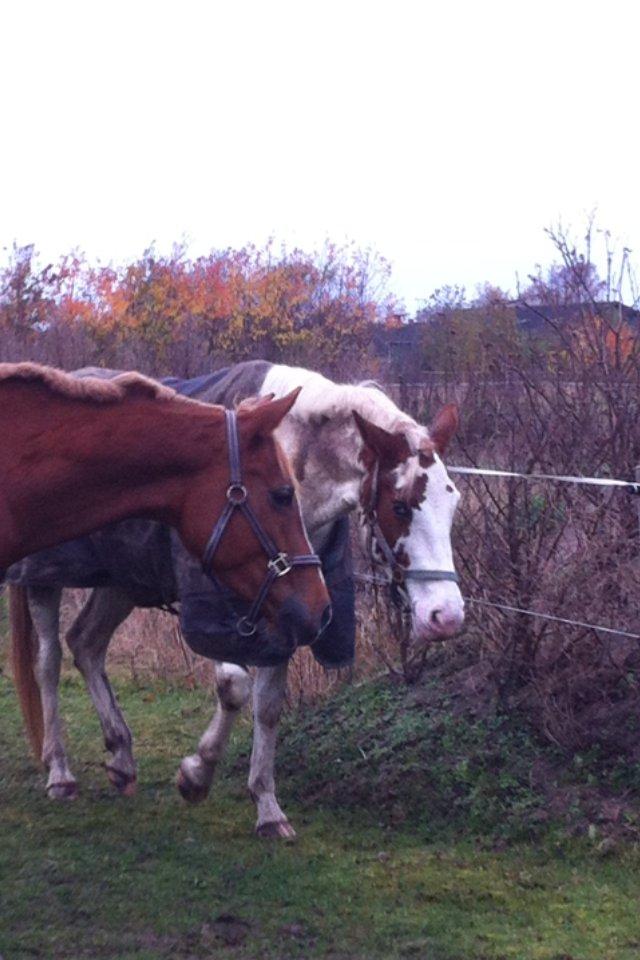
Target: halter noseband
[279, 564]
[399, 574]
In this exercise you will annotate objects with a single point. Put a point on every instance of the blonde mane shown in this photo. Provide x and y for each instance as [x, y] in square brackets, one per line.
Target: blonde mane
[321, 397]
[86, 388]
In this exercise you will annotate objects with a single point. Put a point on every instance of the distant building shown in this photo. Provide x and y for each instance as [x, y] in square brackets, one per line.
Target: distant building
[403, 347]
[539, 319]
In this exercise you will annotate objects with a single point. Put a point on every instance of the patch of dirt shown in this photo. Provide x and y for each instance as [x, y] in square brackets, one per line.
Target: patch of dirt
[226, 929]
[590, 810]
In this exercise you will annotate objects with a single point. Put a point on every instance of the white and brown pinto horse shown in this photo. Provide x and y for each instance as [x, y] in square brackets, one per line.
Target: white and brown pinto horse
[351, 448]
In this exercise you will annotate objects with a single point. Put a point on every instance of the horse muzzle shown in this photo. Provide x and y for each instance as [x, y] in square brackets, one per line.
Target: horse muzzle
[298, 626]
[437, 623]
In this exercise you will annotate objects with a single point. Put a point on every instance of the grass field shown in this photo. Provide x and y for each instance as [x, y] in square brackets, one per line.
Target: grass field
[372, 875]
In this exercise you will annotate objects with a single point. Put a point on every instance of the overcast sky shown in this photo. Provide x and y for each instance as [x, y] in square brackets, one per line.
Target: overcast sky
[445, 135]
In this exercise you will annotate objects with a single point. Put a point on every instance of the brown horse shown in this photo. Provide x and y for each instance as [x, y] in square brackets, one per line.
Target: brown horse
[76, 454]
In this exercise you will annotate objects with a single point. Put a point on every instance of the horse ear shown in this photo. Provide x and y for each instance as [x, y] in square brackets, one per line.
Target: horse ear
[390, 449]
[252, 403]
[266, 416]
[444, 426]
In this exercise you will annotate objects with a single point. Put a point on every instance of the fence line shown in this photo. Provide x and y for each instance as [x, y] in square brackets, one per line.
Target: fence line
[629, 485]
[506, 608]
[439, 382]
[548, 616]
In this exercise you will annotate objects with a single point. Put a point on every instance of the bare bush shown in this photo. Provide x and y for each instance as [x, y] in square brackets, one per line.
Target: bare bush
[563, 399]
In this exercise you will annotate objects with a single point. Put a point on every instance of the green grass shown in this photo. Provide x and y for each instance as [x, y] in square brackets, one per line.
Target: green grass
[447, 774]
[380, 869]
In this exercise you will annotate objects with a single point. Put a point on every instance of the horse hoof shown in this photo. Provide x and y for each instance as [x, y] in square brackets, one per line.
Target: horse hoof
[125, 784]
[276, 830]
[190, 791]
[63, 791]
[130, 789]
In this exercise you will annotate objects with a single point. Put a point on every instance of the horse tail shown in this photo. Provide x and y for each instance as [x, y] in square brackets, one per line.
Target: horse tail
[24, 651]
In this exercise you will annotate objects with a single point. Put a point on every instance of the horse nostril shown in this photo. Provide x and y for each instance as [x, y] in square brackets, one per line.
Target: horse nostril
[435, 617]
[325, 620]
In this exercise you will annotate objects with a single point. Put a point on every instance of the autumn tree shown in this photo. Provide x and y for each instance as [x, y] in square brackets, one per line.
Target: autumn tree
[25, 291]
[172, 314]
[464, 337]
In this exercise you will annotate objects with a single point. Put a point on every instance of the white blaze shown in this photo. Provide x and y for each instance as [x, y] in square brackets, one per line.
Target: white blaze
[437, 606]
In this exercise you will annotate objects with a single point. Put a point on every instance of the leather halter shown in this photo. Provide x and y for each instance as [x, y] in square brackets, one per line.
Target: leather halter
[398, 573]
[279, 564]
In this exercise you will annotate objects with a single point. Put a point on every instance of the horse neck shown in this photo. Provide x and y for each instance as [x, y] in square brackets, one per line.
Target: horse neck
[82, 465]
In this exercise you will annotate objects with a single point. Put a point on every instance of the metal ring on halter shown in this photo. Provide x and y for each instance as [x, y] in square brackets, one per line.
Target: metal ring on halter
[236, 493]
[245, 627]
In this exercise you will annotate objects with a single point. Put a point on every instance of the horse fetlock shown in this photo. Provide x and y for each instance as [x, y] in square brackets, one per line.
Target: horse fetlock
[272, 822]
[119, 741]
[194, 778]
[125, 781]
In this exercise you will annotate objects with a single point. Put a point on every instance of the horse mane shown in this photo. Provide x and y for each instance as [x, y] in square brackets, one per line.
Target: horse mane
[321, 399]
[86, 388]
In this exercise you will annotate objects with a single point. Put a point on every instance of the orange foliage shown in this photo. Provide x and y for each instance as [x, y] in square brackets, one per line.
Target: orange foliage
[230, 304]
[597, 338]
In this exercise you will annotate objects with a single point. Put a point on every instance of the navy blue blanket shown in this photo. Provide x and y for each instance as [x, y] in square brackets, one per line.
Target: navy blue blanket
[197, 387]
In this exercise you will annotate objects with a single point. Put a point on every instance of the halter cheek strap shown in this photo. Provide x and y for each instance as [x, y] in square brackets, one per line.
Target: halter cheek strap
[279, 564]
[398, 573]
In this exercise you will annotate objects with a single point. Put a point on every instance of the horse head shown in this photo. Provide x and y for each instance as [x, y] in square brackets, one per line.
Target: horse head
[259, 543]
[408, 502]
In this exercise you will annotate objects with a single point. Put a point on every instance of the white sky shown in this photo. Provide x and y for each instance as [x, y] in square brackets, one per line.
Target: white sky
[447, 135]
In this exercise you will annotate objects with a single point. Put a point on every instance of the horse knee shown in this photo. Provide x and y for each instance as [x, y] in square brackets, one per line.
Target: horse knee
[81, 661]
[268, 714]
[233, 686]
[48, 660]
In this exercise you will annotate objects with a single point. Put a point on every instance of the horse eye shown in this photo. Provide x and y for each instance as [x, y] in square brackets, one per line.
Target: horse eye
[401, 509]
[282, 496]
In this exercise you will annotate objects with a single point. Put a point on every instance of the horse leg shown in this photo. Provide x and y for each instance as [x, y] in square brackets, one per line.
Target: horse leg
[268, 699]
[44, 607]
[88, 640]
[195, 775]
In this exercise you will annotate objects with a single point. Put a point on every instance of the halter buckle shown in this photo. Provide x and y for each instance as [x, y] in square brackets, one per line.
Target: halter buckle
[280, 565]
[236, 493]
